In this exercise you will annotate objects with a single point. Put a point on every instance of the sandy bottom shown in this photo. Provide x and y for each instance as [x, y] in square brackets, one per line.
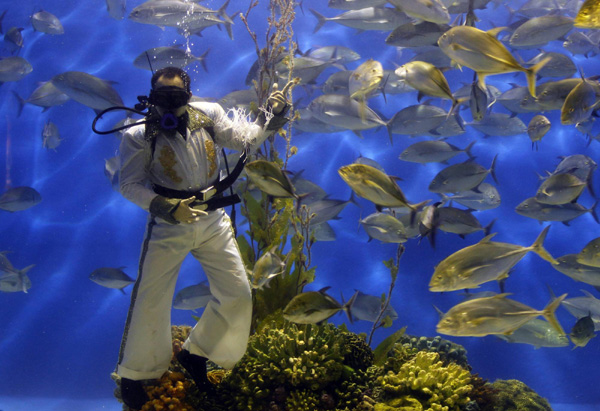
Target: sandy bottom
[110, 404]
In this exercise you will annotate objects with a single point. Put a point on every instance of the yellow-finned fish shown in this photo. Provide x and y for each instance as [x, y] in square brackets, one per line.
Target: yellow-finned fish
[365, 79]
[428, 79]
[588, 16]
[482, 262]
[376, 186]
[315, 306]
[269, 178]
[590, 255]
[494, 315]
[483, 52]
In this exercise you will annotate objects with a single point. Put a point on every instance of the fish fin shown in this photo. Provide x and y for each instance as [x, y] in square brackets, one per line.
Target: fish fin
[495, 31]
[531, 73]
[321, 20]
[548, 313]
[538, 247]
[487, 238]
[493, 169]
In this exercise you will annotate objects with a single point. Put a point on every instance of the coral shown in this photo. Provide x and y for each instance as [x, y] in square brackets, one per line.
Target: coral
[359, 355]
[483, 395]
[169, 394]
[514, 395]
[179, 333]
[425, 378]
[448, 351]
[296, 366]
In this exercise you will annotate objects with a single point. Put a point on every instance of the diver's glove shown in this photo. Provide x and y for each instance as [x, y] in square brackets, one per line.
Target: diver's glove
[279, 106]
[164, 208]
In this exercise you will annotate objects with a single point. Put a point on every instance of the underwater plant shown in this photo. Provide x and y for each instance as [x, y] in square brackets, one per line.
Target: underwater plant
[515, 395]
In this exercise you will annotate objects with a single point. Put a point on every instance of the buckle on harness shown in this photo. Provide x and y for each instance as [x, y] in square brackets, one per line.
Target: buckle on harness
[207, 193]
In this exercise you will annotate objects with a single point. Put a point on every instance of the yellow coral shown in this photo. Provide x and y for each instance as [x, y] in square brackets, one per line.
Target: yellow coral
[169, 394]
[439, 387]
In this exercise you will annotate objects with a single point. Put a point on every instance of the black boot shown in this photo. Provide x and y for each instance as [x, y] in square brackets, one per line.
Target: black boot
[133, 393]
[196, 366]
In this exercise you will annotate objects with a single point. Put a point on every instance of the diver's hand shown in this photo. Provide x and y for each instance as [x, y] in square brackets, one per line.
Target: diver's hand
[185, 214]
[277, 100]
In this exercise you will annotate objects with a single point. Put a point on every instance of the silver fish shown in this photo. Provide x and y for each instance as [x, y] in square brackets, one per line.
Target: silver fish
[367, 308]
[416, 35]
[426, 10]
[369, 18]
[193, 297]
[46, 95]
[19, 199]
[559, 65]
[15, 280]
[549, 212]
[171, 13]
[167, 56]
[343, 111]
[537, 128]
[435, 151]
[538, 31]
[417, 119]
[50, 136]
[580, 43]
[354, 4]
[538, 333]
[461, 177]
[327, 209]
[385, 228]
[46, 23]
[14, 68]
[499, 124]
[459, 221]
[112, 167]
[87, 89]
[338, 54]
[116, 8]
[484, 197]
[111, 278]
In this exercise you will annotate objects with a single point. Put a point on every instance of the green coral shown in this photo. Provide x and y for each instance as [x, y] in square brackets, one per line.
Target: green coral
[449, 351]
[425, 378]
[300, 361]
[514, 395]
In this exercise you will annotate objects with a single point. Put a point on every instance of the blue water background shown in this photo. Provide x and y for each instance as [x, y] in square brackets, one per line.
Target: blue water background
[62, 338]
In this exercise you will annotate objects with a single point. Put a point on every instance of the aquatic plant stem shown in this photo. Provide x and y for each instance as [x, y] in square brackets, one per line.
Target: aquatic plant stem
[394, 273]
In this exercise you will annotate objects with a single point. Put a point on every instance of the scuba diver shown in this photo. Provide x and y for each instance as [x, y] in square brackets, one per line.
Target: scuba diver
[170, 168]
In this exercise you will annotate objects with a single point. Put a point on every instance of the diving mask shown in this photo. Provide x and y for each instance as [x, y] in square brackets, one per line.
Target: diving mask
[169, 97]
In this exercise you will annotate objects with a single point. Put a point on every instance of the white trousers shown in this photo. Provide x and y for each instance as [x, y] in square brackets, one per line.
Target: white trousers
[222, 333]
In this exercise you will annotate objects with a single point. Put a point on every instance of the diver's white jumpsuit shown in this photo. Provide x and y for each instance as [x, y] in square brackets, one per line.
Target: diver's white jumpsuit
[189, 164]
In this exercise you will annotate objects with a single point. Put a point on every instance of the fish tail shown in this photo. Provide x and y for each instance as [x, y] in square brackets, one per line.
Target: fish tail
[593, 211]
[347, 307]
[538, 247]
[548, 313]
[532, 73]
[202, 60]
[493, 169]
[321, 20]
[21, 101]
[468, 148]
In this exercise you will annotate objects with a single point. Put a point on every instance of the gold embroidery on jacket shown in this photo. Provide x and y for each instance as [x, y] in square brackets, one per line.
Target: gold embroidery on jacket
[167, 160]
[211, 156]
